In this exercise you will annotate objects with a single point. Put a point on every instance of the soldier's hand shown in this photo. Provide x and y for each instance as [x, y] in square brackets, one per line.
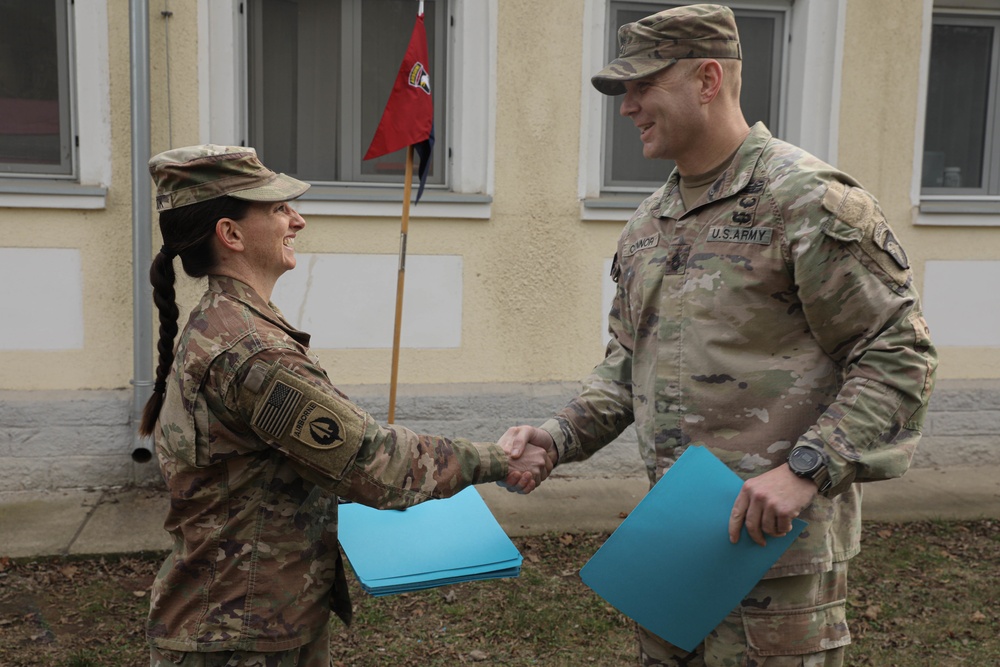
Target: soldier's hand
[532, 455]
[767, 504]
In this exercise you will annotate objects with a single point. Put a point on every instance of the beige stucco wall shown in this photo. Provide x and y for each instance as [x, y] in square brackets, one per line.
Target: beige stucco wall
[532, 283]
[533, 271]
[879, 111]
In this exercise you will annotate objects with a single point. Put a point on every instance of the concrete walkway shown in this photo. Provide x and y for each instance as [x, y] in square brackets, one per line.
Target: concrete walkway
[128, 520]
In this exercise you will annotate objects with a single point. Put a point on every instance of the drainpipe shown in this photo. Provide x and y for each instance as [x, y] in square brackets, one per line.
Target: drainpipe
[142, 308]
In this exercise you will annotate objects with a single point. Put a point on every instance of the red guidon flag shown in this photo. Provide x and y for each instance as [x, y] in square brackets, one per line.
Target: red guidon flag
[408, 118]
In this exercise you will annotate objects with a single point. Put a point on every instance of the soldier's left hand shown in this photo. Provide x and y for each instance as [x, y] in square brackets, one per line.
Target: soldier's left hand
[767, 504]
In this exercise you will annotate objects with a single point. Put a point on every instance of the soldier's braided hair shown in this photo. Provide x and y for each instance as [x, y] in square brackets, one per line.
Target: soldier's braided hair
[187, 233]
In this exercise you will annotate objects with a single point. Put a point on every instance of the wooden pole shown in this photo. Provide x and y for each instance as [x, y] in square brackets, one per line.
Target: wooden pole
[401, 276]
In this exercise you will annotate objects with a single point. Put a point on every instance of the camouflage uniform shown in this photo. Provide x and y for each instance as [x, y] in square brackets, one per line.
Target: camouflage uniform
[778, 310]
[255, 445]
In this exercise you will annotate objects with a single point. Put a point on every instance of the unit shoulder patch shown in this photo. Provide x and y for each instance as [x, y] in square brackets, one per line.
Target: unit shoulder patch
[859, 222]
[318, 428]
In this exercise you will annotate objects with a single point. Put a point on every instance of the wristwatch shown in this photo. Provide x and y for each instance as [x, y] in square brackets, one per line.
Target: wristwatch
[810, 463]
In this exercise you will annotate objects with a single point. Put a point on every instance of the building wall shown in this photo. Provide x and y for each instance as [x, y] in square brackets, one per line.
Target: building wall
[526, 322]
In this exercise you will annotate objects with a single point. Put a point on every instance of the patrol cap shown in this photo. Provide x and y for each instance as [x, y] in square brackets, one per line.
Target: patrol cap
[193, 174]
[658, 41]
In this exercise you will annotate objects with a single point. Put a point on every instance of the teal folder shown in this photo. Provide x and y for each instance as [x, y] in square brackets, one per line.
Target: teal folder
[432, 544]
[670, 566]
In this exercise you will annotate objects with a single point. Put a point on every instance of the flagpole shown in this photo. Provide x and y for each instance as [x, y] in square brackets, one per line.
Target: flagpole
[404, 226]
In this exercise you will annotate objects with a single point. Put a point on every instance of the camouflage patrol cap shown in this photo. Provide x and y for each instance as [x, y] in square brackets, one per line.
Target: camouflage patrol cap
[658, 41]
[193, 174]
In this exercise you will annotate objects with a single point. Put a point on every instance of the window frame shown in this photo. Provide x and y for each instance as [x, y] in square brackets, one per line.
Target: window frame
[609, 184]
[810, 83]
[468, 147]
[954, 209]
[86, 185]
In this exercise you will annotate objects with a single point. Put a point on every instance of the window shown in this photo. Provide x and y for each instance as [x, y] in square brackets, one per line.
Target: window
[762, 37]
[960, 155]
[319, 75]
[35, 131]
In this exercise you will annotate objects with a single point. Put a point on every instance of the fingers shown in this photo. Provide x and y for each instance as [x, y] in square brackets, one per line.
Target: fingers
[529, 470]
[738, 516]
[515, 440]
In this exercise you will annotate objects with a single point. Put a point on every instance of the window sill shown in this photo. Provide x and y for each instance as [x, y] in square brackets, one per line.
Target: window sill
[17, 193]
[387, 202]
[958, 212]
[616, 207]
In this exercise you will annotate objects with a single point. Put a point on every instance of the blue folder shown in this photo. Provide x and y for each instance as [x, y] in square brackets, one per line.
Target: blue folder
[432, 544]
[670, 566]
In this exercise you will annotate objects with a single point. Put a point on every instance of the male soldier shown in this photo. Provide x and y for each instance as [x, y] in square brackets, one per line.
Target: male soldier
[765, 311]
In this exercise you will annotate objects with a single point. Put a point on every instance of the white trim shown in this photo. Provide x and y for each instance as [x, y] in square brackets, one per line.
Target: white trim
[921, 116]
[93, 92]
[219, 50]
[815, 57]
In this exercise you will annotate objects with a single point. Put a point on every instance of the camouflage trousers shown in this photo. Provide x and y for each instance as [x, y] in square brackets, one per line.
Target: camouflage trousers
[785, 622]
[314, 654]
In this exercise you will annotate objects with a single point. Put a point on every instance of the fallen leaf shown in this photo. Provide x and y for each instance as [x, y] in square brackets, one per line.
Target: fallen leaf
[978, 617]
[885, 533]
[623, 515]
[872, 612]
[139, 594]
[478, 655]
[450, 597]
[566, 539]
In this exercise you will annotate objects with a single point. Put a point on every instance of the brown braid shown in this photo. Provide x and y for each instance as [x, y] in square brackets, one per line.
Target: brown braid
[187, 232]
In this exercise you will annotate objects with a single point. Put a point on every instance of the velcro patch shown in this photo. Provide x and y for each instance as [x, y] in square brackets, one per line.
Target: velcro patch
[630, 249]
[318, 427]
[859, 222]
[311, 424]
[276, 412]
[758, 235]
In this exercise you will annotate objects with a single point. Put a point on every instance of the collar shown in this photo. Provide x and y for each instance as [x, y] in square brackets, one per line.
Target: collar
[237, 290]
[736, 177]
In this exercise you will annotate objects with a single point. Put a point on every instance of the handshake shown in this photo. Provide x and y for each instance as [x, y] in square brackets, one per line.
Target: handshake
[531, 456]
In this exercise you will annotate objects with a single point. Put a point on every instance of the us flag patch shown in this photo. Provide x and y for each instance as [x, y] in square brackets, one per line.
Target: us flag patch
[277, 411]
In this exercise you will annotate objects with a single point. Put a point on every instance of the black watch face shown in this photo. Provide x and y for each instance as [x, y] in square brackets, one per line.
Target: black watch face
[804, 460]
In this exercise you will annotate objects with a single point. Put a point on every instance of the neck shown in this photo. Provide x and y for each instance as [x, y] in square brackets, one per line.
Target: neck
[236, 270]
[717, 145]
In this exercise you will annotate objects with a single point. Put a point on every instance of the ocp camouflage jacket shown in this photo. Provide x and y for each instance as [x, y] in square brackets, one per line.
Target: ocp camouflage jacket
[255, 445]
[778, 310]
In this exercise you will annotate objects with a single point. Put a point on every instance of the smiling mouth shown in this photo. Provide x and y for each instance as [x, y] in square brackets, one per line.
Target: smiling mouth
[288, 242]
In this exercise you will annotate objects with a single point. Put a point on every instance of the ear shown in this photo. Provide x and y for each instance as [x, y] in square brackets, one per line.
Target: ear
[229, 234]
[710, 76]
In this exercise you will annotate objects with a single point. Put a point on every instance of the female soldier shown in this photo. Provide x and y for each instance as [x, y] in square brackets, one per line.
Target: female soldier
[254, 441]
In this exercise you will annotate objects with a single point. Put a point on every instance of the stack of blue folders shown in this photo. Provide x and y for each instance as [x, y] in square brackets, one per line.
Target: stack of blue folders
[435, 543]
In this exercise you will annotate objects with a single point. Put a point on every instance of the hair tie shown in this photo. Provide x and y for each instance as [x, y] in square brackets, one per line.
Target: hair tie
[167, 252]
[160, 387]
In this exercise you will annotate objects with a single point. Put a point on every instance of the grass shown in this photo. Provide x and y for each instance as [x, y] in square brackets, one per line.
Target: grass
[923, 593]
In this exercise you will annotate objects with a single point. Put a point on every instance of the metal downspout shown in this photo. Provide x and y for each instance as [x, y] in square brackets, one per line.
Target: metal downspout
[142, 308]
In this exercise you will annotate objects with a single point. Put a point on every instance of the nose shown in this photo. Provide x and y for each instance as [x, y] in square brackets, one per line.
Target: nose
[628, 105]
[298, 222]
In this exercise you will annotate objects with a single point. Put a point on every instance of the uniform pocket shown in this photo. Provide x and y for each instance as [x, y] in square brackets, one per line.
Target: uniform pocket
[797, 631]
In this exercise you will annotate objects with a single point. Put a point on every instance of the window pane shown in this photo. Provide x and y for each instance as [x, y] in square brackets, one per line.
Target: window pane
[957, 106]
[34, 85]
[319, 75]
[386, 29]
[293, 83]
[760, 39]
